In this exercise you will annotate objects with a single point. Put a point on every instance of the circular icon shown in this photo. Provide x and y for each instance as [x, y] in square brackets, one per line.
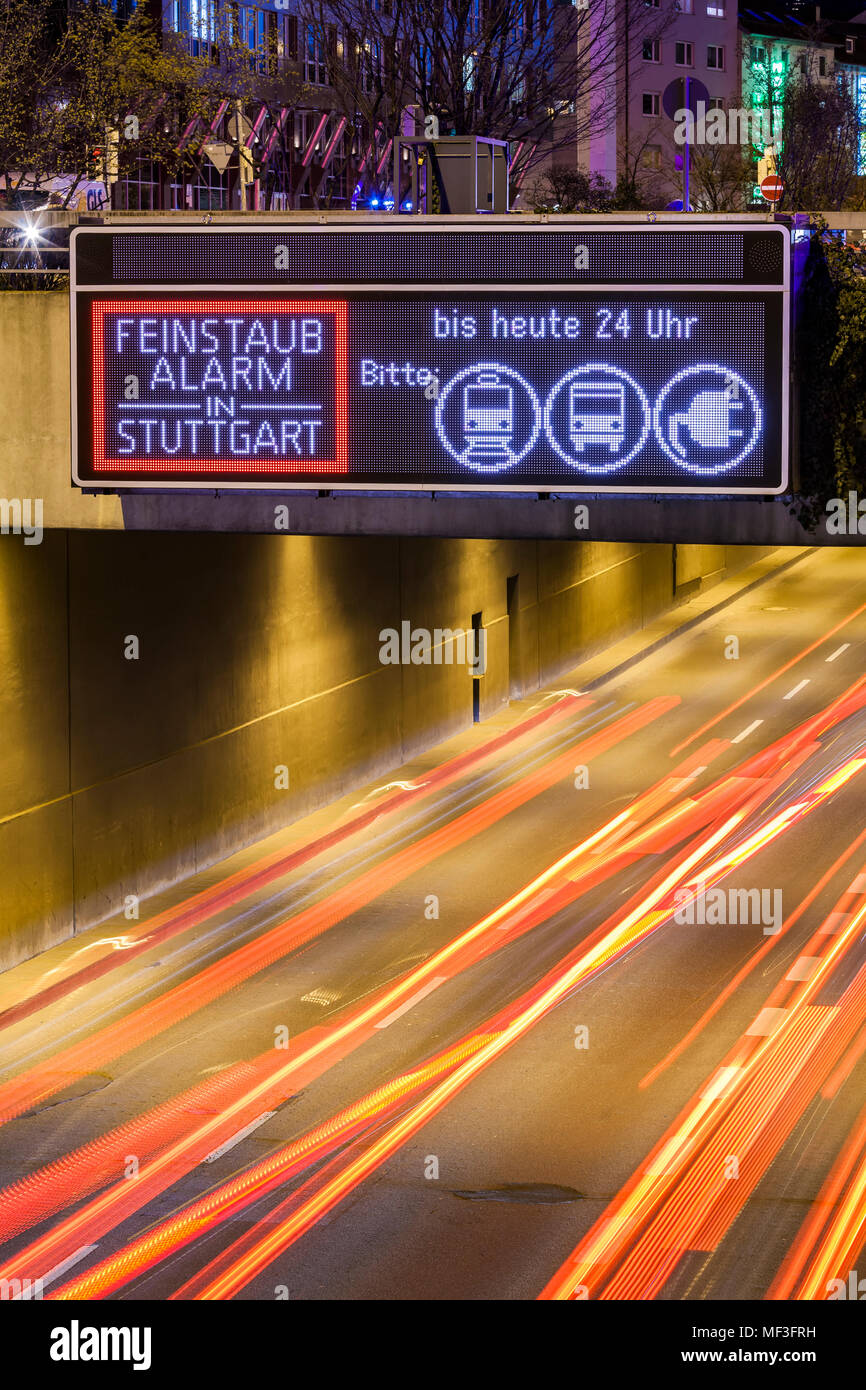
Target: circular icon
[707, 428]
[491, 421]
[592, 414]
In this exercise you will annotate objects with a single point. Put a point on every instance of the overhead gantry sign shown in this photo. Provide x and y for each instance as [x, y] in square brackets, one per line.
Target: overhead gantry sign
[648, 358]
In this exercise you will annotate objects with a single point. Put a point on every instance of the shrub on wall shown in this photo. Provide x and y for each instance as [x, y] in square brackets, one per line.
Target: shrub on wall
[831, 343]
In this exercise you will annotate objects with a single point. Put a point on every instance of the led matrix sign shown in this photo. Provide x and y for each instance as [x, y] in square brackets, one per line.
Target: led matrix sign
[325, 381]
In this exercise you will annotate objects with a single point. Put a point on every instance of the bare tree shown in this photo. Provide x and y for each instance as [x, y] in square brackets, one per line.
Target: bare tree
[361, 53]
[721, 177]
[642, 182]
[533, 72]
[811, 119]
[29, 89]
[87, 94]
[817, 157]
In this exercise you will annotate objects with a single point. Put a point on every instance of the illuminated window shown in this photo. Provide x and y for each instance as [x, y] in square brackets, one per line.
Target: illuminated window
[685, 6]
[860, 97]
[716, 9]
[256, 31]
[202, 20]
[651, 157]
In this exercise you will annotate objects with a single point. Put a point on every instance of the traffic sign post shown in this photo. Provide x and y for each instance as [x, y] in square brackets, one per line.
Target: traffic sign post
[489, 356]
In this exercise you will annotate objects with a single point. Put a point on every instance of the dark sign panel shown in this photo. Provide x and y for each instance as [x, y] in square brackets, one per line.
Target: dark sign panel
[554, 383]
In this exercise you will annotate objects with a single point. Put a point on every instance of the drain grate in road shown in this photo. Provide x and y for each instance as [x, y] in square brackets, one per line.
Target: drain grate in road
[323, 997]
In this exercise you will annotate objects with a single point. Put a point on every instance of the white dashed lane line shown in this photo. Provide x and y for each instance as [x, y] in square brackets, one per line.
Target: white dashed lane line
[744, 733]
[838, 652]
[797, 688]
[412, 1001]
[236, 1138]
[73, 1259]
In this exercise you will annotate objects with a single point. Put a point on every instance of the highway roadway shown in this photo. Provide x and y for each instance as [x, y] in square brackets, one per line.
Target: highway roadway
[573, 1007]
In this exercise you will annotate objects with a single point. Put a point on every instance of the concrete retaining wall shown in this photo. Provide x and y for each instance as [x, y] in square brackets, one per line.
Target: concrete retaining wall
[35, 463]
[120, 776]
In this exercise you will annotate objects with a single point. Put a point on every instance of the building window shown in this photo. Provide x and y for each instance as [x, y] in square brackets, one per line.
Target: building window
[196, 21]
[716, 104]
[651, 157]
[849, 45]
[822, 67]
[140, 189]
[652, 4]
[684, 55]
[290, 38]
[652, 51]
[256, 31]
[801, 63]
[716, 9]
[207, 190]
[685, 6]
[315, 67]
[651, 103]
[759, 55]
[715, 57]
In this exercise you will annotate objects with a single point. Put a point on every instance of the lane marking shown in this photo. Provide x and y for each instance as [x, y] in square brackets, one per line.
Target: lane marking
[791, 693]
[803, 968]
[838, 652]
[858, 884]
[766, 1023]
[750, 730]
[412, 1000]
[70, 1260]
[768, 680]
[833, 924]
[236, 1138]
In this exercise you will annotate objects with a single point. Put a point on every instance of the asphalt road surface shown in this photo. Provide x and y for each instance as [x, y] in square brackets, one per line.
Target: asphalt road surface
[575, 1007]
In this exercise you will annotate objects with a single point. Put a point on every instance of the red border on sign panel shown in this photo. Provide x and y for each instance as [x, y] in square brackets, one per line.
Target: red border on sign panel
[340, 462]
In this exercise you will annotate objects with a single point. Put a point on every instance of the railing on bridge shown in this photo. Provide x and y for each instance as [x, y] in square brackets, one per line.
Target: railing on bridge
[34, 246]
[34, 249]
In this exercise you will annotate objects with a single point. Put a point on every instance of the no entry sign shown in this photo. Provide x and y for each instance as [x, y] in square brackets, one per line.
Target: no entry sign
[772, 188]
